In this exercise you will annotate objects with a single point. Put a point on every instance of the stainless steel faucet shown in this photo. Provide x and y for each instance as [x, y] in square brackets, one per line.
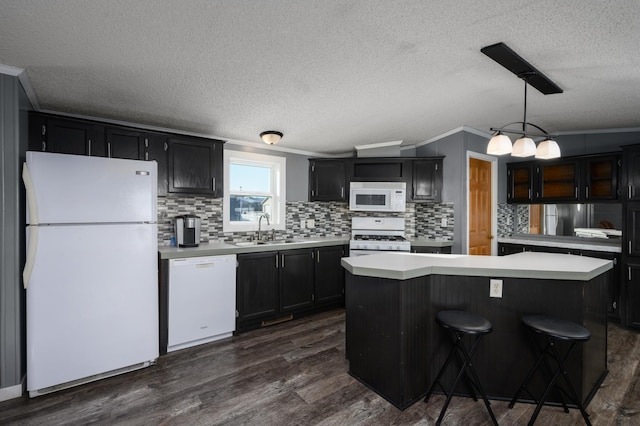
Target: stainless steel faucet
[266, 216]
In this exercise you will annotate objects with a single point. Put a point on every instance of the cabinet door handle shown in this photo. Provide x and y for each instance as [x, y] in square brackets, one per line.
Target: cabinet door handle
[276, 261]
[146, 142]
[109, 149]
[629, 246]
[342, 192]
[282, 261]
[629, 267]
[629, 191]
[44, 146]
[166, 147]
[576, 192]
[146, 156]
[89, 147]
[587, 189]
[318, 256]
[529, 193]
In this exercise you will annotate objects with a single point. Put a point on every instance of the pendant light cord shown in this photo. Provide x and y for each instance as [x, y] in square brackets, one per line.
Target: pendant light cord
[524, 122]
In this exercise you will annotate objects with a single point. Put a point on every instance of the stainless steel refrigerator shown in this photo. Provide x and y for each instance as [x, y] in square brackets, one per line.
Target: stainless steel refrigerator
[91, 274]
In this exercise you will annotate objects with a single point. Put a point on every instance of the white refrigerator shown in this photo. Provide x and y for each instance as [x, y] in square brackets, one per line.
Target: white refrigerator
[91, 273]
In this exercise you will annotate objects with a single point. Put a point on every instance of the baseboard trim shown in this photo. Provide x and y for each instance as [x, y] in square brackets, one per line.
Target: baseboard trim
[10, 392]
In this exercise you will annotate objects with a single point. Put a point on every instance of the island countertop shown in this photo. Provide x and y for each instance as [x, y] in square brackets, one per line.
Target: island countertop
[403, 266]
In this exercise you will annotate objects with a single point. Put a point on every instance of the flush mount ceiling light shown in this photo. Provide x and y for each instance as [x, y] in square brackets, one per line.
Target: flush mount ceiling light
[525, 146]
[271, 137]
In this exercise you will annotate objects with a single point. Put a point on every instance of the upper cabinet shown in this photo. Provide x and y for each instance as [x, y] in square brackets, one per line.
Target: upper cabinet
[632, 171]
[558, 180]
[186, 165]
[592, 178]
[426, 182]
[195, 166]
[327, 180]
[601, 177]
[520, 182]
[65, 135]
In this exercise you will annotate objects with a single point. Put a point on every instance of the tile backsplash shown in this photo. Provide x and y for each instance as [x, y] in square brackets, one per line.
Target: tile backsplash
[331, 219]
[507, 213]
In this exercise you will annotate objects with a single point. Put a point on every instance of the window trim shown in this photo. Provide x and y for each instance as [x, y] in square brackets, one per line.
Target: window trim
[278, 164]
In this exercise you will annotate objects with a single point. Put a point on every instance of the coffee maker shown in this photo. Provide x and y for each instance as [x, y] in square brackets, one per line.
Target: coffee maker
[187, 230]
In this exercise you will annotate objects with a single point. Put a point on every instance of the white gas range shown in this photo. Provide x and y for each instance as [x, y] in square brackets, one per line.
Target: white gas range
[371, 235]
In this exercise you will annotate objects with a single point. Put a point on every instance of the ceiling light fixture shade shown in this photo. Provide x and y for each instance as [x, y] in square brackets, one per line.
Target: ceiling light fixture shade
[499, 145]
[548, 149]
[271, 137]
[524, 147]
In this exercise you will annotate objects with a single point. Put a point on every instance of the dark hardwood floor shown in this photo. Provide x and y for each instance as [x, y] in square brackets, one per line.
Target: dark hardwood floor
[295, 374]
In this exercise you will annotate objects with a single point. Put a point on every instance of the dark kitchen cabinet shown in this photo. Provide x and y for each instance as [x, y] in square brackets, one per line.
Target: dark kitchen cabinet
[380, 170]
[426, 182]
[630, 276]
[631, 166]
[614, 285]
[195, 166]
[295, 268]
[633, 294]
[277, 286]
[590, 178]
[558, 181]
[327, 180]
[123, 142]
[65, 135]
[329, 275]
[155, 149]
[601, 178]
[256, 287]
[520, 182]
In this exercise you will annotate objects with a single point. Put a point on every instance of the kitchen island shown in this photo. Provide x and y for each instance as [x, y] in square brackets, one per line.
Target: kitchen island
[395, 347]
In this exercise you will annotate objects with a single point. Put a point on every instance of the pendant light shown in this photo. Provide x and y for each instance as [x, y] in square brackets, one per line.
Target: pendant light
[525, 146]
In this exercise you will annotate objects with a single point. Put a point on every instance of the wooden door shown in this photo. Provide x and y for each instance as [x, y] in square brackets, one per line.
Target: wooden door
[480, 233]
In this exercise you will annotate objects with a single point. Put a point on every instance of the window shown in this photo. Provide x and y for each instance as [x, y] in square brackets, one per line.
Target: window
[254, 185]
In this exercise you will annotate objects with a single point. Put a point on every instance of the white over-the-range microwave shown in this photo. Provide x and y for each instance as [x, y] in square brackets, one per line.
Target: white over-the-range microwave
[377, 196]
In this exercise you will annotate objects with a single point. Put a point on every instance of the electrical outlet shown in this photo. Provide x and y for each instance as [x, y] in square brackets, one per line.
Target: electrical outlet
[303, 224]
[495, 288]
[311, 223]
[444, 222]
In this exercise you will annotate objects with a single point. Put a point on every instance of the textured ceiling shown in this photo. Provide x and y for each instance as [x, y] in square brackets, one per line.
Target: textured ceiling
[330, 74]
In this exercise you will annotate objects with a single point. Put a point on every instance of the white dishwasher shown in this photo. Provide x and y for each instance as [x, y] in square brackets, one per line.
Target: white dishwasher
[202, 300]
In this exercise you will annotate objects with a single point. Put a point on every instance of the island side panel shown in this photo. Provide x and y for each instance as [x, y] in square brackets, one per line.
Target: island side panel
[596, 321]
[387, 336]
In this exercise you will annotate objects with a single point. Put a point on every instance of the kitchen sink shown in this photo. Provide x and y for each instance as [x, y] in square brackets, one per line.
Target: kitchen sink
[264, 243]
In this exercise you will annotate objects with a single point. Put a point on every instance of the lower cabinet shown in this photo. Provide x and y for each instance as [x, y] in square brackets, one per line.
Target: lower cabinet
[277, 286]
[614, 296]
[633, 294]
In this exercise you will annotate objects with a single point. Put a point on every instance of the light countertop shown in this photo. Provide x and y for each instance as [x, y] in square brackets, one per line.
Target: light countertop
[593, 244]
[402, 266]
[216, 248]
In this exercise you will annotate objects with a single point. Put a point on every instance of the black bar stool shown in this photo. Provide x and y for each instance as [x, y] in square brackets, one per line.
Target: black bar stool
[554, 329]
[459, 324]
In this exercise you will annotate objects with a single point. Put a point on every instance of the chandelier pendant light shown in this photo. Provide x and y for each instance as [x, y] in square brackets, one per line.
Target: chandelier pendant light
[525, 146]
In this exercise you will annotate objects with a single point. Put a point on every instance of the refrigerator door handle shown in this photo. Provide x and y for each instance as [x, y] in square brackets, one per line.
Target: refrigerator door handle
[33, 230]
[31, 195]
[31, 255]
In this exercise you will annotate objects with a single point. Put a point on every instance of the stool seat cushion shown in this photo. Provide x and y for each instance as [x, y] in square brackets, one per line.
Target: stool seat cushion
[557, 328]
[464, 322]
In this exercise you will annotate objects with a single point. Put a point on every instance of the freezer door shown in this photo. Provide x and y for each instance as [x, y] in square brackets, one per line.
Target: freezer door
[65, 188]
[92, 302]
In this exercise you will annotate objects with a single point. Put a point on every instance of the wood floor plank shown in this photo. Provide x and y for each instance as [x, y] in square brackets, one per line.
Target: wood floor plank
[295, 373]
